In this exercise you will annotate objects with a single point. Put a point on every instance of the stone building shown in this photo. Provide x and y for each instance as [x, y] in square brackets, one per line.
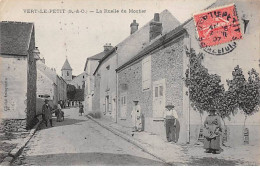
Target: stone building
[66, 71]
[155, 76]
[18, 74]
[78, 81]
[90, 66]
[125, 50]
[49, 83]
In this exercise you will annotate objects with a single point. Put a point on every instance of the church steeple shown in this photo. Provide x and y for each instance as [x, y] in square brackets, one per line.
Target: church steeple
[66, 71]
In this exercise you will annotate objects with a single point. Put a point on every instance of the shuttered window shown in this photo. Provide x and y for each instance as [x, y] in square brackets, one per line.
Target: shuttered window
[146, 73]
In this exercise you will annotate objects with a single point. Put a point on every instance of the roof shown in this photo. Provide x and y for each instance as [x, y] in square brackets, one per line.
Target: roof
[106, 56]
[15, 37]
[66, 65]
[136, 42]
[98, 56]
[176, 32]
[159, 42]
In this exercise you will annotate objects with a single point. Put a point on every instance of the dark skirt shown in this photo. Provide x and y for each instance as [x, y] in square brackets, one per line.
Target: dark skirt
[212, 143]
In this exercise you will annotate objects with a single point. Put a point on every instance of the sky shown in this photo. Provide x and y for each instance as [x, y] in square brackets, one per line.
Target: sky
[78, 36]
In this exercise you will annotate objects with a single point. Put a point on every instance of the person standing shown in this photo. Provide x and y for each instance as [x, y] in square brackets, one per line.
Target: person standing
[136, 118]
[81, 109]
[47, 113]
[59, 112]
[171, 123]
[212, 133]
[139, 116]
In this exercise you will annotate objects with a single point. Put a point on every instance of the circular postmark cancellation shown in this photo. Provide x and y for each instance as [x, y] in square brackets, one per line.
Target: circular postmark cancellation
[218, 26]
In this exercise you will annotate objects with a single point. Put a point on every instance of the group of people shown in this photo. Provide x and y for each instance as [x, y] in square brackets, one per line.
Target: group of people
[47, 112]
[212, 126]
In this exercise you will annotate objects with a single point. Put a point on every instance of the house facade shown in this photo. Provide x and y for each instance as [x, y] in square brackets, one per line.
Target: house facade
[90, 67]
[155, 77]
[18, 74]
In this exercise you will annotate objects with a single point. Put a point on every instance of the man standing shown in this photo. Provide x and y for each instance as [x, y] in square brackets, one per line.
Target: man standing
[136, 118]
[47, 114]
[171, 123]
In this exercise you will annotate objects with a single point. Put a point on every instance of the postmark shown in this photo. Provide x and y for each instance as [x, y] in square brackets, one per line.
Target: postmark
[217, 26]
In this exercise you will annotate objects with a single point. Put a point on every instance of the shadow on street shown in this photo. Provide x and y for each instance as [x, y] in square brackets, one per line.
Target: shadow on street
[67, 121]
[92, 159]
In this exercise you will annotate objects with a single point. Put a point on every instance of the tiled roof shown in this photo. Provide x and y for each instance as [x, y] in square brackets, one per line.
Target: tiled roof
[98, 56]
[66, 65]
[15, 37]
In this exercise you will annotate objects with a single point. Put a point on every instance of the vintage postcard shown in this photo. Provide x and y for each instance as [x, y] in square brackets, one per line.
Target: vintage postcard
[129, 83]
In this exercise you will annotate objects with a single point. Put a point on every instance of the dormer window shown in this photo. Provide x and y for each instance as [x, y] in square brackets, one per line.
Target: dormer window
[108, 67]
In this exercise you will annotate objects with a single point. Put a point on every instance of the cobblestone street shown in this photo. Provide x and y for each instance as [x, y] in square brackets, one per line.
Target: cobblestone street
[80, 141]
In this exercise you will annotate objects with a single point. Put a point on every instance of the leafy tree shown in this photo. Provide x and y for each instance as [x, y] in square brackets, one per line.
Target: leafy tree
[71, 91]
[205, 90]
[246, 92]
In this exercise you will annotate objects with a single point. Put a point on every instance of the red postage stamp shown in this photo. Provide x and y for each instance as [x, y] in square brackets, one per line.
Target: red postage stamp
[217, 26]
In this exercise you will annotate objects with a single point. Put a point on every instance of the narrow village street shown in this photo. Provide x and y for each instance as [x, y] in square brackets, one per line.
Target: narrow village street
[80, 141]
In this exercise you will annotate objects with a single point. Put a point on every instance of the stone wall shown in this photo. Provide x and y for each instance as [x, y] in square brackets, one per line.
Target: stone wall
[12, 125]
[166, 63]
[31, 85]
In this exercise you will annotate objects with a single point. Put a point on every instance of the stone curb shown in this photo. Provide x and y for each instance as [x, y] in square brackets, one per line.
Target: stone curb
[129, 139]
[18, 149]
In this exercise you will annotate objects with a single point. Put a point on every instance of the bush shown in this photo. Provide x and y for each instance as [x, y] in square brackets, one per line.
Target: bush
[95, 114]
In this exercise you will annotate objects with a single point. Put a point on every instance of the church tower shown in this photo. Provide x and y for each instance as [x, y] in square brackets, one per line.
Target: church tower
[66, 71]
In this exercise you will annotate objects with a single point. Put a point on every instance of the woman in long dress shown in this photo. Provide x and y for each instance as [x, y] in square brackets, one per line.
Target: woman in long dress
[212, 133]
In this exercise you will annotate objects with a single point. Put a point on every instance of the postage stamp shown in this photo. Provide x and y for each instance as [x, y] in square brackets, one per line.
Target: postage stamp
[217, 26]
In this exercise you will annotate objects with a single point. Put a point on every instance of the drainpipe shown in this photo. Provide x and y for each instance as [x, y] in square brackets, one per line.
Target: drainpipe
[189, 96]
[116, 85]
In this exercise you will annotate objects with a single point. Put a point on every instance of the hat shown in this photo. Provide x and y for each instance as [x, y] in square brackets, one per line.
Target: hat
[135, 101]
[169, 106]
[46, 100]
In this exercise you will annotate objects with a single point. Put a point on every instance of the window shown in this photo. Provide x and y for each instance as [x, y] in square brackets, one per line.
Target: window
[123, 100]
[146, 73]
[68, 73]
[156, 92]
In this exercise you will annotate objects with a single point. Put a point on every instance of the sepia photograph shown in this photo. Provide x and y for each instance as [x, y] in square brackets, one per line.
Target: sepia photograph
[129, 83]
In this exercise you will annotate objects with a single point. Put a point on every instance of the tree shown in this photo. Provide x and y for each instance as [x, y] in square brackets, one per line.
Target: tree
[71, 91]
[205, 90]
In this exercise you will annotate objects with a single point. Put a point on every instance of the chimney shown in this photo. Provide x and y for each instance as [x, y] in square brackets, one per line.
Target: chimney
[155, 27]
[107, 47]
[134, 26]
[43, 60]
[36, 53]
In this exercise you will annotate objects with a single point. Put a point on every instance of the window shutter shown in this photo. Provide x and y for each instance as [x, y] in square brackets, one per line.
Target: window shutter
[146, 73]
